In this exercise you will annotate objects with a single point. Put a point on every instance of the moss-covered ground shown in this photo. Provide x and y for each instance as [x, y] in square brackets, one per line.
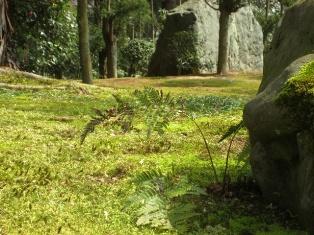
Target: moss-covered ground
[51, 184]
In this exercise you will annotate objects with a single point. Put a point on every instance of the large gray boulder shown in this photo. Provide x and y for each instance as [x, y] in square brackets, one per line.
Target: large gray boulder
[282, 156]
[293, 38]
[196, 17]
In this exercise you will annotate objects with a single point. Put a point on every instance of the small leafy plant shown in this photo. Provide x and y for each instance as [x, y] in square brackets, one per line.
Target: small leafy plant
[122, 115]
[165, 201]
[155, 107]
[231, 133]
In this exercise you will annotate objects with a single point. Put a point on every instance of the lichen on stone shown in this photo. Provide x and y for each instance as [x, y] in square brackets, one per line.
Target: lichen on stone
[297, 96]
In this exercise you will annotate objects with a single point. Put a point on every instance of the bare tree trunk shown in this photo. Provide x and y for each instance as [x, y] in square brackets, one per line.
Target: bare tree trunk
[281, 7]
[222, 65]
[102, 53]
[5, 31]
[102, 63]
[111, 44]
[169, 4]
[111, 49]
[153, 19]
[85, 59]
[267, 9]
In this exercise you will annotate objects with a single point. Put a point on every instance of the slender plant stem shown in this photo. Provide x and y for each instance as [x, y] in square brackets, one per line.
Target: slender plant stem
[208, 150]
[227, 160]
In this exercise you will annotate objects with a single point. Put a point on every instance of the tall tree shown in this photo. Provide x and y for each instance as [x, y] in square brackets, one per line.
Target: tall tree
[226, 8]
[169, 4]
[102, 54]
[5, 31]
[110, 42]
[85, 59]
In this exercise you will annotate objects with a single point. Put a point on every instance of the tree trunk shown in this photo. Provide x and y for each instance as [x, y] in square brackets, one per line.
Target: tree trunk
[111, 49]
[85, 59]
[102, 63]
[153, 19]
[222, 65]
[102, 59]
[102, 53]
[267, 9]
[111, 44]
[281, 8]
[58, 73]
[6, 29]
[169, 4]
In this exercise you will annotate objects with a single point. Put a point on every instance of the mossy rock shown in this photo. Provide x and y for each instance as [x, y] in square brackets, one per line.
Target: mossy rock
[298, 96]
[280, 123]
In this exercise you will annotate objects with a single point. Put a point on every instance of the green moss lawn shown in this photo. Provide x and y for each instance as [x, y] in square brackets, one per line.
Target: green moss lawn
[50, 184]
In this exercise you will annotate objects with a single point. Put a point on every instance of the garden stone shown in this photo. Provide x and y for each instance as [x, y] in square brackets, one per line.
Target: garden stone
[282, 149]
[196, 17]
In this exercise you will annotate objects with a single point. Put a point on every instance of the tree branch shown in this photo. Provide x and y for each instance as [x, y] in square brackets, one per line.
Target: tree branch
[211, 6]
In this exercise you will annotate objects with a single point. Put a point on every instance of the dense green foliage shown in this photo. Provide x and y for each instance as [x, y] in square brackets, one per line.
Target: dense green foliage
[45, 38]
[136, 56]
[41, 29]
[298, 96]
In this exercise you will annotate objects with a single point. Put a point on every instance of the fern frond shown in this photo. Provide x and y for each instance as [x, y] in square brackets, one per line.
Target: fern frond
[232, 130]
[181, 215]
[148, 176]
[90, 127]
[121, 116]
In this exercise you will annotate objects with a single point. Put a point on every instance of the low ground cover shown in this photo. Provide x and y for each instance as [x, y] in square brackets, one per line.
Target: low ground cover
[50, 183]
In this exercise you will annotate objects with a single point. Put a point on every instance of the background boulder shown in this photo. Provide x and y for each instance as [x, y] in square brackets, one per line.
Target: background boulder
[197, 21]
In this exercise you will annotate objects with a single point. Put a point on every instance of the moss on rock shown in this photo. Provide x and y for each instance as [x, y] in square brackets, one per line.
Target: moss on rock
[297, 96]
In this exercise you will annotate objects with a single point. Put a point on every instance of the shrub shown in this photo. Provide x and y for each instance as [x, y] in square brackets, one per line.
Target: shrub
[45, 38]
[136, 56]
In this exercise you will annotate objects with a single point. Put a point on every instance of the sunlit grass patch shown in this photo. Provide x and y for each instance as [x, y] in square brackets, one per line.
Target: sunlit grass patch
[239, 85]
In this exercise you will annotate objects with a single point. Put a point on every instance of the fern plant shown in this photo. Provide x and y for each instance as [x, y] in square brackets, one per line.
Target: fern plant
[157, 108]
[153, 105]
[165, 201]
[122, 115]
